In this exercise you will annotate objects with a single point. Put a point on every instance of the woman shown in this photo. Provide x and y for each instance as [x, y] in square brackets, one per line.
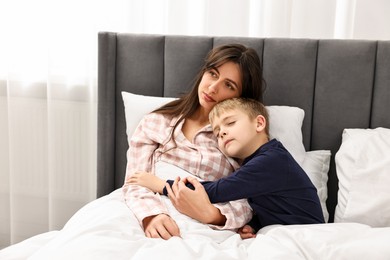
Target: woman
[179, 133]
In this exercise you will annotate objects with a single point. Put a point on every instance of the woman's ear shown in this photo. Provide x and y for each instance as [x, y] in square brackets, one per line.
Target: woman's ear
[261, 123]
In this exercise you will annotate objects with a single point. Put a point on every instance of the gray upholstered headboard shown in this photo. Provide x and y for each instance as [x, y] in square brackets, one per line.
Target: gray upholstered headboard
[339, 83]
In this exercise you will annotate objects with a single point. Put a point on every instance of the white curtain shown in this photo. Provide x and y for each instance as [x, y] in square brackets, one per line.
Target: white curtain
[48, 82]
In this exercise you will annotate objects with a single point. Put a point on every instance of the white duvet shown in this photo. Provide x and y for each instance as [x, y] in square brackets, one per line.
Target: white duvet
[107, 229]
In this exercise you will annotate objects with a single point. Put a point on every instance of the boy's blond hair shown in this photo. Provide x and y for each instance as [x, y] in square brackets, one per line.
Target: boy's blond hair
[250, 106]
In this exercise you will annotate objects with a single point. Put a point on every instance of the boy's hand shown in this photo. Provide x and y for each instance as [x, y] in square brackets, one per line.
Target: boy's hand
[246, 232]
[147, 180]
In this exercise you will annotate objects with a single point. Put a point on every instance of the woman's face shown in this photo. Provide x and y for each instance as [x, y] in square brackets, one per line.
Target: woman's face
[219, 84]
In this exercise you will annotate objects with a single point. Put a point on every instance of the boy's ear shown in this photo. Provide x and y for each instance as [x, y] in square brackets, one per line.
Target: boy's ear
[261, 123]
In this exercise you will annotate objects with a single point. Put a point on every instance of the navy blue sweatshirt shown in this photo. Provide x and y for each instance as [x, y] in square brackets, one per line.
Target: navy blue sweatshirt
[277, 188]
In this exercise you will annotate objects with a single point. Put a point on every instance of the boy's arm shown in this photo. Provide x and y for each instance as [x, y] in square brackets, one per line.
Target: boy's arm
[252, 179]
[200, 209]
[147, 180]
[170, 183]
[196, 204]
[226, 189]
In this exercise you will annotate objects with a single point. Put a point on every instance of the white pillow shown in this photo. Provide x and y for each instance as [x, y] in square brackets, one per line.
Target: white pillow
[316, 166]
[285, 122]
[363, 170]
[136, 106]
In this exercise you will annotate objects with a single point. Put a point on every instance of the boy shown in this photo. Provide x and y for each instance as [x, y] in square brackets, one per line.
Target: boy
[277, 188]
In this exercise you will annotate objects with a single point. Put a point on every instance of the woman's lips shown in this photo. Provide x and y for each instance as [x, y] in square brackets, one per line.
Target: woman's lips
[208, 98]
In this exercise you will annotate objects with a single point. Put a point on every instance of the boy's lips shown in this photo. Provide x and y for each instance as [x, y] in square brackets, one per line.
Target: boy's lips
[227, 142]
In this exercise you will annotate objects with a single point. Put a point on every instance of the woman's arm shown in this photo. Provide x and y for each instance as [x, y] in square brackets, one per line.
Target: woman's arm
[200, 208]
[146, 205]
[196, 204]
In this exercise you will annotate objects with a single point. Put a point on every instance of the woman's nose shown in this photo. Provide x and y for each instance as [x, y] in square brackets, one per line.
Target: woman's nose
[214, 86]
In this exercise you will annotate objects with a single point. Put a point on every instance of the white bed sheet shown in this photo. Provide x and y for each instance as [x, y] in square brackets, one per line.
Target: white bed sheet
[107, 229]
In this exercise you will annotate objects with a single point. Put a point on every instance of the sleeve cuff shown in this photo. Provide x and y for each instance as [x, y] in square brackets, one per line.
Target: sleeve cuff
[165, 192]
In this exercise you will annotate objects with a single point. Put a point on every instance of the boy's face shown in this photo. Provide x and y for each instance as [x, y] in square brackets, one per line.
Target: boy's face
[237, 132]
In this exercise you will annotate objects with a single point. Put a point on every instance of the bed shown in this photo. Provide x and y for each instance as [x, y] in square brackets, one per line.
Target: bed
[331, 99]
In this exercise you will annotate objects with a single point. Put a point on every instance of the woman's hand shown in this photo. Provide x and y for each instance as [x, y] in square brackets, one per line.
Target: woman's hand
[194, 203]
[160, 226]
